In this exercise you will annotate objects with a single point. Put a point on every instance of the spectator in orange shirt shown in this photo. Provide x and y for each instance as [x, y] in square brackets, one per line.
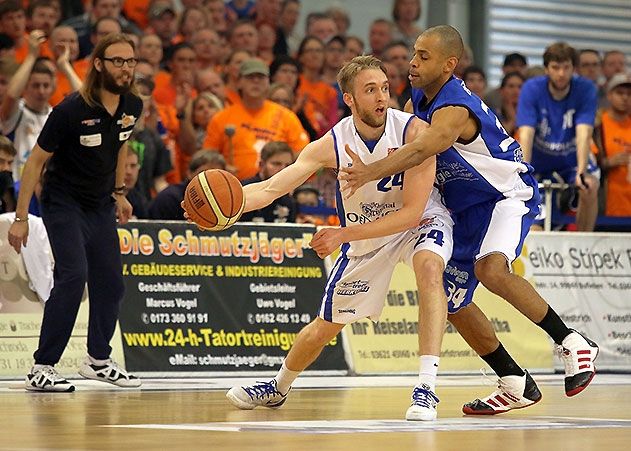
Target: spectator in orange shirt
[163, 22]
[613, 141]
[193, 18]
[150, 49]
[13, 24]
[206, 43]
[208, 80]
[63, 38]
[100, 29]
[231, 71]
[42, 15]
[176, 88]
[253, 122]
[321, 103]
[244, 36]
[217, 15]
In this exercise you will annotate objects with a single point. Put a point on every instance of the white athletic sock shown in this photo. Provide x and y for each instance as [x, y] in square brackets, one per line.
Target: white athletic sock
[37, 367]
[97, 362]
[285, 378]
[428, 370]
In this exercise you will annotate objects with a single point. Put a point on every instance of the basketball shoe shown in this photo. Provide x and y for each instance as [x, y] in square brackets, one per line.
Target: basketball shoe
[263, 394]
[46, 378]
[578, 354]
[513, 392]
[109, 372]
[423, 407]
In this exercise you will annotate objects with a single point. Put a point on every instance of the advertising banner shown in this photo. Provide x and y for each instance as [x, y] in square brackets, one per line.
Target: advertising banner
[219, 301]
[21, 312]
[391, 345]
[586, 278]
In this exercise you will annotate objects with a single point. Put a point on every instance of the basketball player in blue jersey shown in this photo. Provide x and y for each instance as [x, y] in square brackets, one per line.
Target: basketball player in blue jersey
[494, 199]
[398, 218]
[555, 116]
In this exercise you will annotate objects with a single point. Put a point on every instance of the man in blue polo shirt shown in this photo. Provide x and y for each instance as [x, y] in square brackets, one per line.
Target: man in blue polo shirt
[555, 116]
[84, 143]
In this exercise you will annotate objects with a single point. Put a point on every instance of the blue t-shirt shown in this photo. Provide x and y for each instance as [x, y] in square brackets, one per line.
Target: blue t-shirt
[488, 167]
[554, 121]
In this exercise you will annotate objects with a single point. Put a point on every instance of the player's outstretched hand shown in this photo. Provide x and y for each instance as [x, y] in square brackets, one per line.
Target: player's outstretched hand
[326, 240]
[355, 176]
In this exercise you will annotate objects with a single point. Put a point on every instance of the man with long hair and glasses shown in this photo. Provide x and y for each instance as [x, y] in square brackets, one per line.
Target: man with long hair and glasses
[84, 144]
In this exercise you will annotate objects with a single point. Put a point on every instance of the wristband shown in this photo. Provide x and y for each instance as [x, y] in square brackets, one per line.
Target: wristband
[119, 189]
[18, 219]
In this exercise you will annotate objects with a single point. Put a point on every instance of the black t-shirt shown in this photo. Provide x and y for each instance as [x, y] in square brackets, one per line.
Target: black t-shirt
[85, 141]
[280, 210]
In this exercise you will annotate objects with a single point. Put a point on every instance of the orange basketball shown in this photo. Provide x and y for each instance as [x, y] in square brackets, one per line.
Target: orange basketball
[214, 199]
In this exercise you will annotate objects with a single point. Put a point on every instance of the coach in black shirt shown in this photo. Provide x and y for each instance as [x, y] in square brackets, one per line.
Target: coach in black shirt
[84, 143]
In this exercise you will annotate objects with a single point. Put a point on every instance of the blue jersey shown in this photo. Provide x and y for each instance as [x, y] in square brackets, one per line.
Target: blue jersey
[487, 168]
[554, 121]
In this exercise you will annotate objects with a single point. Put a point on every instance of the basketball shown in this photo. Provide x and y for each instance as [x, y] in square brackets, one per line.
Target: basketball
[214, 199]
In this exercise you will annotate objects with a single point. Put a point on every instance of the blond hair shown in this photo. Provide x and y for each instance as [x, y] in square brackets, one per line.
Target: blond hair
[94, 79]
[348, 72]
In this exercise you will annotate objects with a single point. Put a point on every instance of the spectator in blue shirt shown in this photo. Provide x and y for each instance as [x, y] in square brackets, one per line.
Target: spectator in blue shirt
[555, 116]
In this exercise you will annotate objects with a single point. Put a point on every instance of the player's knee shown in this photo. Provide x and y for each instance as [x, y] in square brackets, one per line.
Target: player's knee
[491, 271]
[430, 270]
[318, 333]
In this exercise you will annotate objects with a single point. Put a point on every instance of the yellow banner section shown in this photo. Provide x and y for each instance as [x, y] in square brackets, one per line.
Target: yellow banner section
[391, 345]
[19, 335]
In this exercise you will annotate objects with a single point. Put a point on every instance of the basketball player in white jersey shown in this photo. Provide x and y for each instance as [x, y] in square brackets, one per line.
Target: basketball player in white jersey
[398, 218]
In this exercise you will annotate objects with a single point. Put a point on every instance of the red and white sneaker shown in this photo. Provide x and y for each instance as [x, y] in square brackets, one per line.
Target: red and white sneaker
[513, 392]
[578, 354]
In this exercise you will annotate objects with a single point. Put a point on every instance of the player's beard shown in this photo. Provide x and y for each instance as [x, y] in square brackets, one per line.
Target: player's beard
[368, 118]
[110, 84]
[558, 87]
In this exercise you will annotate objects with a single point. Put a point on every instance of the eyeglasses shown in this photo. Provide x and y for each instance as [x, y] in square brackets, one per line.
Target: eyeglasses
[118, 61]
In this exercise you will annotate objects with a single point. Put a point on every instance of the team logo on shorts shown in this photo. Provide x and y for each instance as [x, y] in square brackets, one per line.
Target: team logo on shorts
[352, 288]
[432, 221]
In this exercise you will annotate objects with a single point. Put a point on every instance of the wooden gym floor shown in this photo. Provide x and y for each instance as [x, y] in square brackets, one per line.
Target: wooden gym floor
[322, 413]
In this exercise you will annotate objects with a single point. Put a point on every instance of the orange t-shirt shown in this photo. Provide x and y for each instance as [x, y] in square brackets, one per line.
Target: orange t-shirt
[63, 87]
[616, 137]
[232, 97]
[253, 129]
[137, 12]
[321, 105]
[164, 92]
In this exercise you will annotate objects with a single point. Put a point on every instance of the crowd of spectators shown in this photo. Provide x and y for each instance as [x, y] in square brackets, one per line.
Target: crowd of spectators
[235, 79]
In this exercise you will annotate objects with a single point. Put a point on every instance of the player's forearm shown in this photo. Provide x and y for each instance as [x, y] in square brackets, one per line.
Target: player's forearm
[259, 195]
[526, 138]
[120, 166]
[75, 82]
[409, 155]
[16, 87]
[583, 146]
[30, 176]
[395, 222]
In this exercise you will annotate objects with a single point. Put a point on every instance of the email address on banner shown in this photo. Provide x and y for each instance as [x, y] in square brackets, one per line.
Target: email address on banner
[179, 337]
[226, 360]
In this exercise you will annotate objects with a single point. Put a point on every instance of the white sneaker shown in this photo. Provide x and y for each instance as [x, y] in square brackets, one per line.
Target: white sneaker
[513, 392]
[263, 394]
[110, 372]
[578, 354]
[47, 379]
[423, 406]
